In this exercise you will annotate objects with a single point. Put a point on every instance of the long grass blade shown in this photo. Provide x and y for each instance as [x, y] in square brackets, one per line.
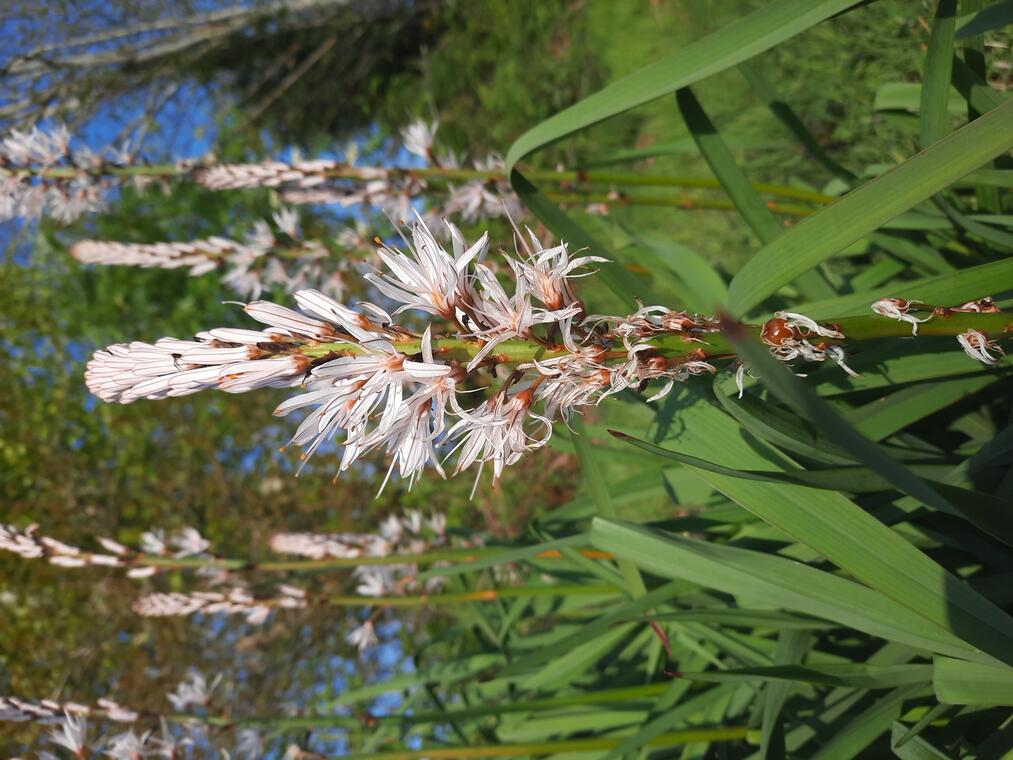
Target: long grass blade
[867, 208]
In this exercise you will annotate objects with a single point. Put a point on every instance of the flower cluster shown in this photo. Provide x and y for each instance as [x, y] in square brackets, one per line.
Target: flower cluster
[41, 174]
[793, 336]
[194, 690]
[410, 534]
[48, 711]
[269, 256]
[234, 601]
[70, 729]
[412, 394]
[25, 542]
[976, 344]
[72, 183]
[393, 191]
[474, 199]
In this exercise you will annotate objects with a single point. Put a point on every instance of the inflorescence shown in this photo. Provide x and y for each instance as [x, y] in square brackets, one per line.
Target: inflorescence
[270, 255]
[42, 173]
[531, 351]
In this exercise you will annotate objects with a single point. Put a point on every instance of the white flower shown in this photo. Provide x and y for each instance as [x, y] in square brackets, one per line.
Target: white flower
[249, 744]
[71, 733]
[502, 317]
[411, 441]
[391, 529]
[126, 746]
[418, 138]
[438, 523]
[978, 346]
[116, 711]
[740, 376]
[189, 542]
[153, 542]
[428, 280]
[810, 326]
[363, 637]
[279, 316]
[172, 367]
[899, 308]
[836, 354]
[193, 690]
[547, 273]
[113, 546]
[375, 581]
[287, 220]
[497, 433]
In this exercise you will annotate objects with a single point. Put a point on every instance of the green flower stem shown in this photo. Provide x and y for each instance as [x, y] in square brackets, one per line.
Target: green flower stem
[570, 179]
[685, 202]
[622, 695]
[462, 556]
[619, 696]
[674, 345]
[459, 597]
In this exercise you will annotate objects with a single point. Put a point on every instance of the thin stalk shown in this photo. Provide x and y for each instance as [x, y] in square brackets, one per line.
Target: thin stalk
[458, 597]
[674, 345]
[622, 696]
[462, 556]
[364, 174]
[683, 202]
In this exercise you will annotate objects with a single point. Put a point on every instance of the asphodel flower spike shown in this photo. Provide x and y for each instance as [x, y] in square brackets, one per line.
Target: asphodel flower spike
[425, 397]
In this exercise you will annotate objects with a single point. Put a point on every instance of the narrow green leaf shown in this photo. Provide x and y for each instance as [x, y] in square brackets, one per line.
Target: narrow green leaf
[835, 706]
[707, 289]
[734, 181]
[994, 16]
[805, 402]
[883, 417]
[863, 729]
[519, 554]
[792, 647]
[597, 486]
[737, 186]
[936, 76]
[670, 718]
[877, 274]
[907, 96]
[601, 625]
[746, 618]
[986, 195]
[884, 559]
[941, 290]
[749, 36]
[775, 581]
[972, 683]
[618, 279]
[934, 712]
[978, 94]
[566, 667]
[914, 748]
[840, 530]
[865, 209]
[780, 427]
[855, 675]
[784, 113]
[990, 514]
